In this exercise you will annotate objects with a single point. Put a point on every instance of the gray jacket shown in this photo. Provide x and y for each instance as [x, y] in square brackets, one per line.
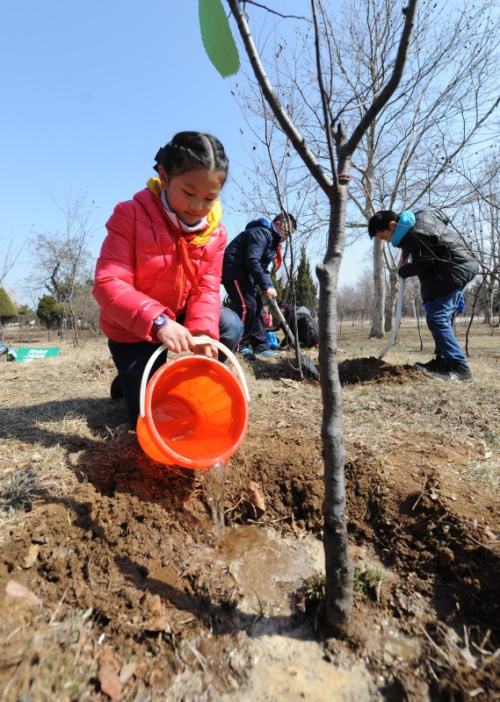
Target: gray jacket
[439, 257]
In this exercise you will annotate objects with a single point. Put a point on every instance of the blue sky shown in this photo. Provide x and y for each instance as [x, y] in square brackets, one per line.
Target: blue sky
[90, 90]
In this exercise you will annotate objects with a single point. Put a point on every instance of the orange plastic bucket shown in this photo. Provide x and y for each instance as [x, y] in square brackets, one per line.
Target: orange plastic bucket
[194, 411]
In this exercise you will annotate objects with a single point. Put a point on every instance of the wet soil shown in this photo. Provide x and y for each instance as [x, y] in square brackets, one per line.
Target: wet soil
[131, 596]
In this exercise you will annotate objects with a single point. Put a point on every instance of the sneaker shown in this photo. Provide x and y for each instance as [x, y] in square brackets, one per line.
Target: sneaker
[116, 390]
[269, 354]
[458, 373]
[247, 353]
[435, 365]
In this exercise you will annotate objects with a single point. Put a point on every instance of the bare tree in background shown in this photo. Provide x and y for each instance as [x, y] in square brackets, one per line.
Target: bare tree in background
[9, 256]
[482, 224]
[332, 173]
[276, 174]
[443, 108]
[86, 309]
[355, 300]
[62, 260]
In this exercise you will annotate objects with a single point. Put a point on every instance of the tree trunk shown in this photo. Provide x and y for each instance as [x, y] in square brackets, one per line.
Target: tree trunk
[338, 565]
[490, 309]
[76, 332]
[377, 330]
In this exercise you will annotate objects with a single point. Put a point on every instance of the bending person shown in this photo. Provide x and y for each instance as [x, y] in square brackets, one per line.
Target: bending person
[443, 265]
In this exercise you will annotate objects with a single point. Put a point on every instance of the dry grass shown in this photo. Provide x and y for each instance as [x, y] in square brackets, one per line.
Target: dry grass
[51, 410]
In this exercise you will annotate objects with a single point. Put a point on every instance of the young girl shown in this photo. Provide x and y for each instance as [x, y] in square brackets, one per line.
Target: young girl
[268, 318]
[271, 337]
[157, 279]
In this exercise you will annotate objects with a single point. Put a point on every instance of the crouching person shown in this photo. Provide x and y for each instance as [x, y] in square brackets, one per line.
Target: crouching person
[158, 276]
[307, 326]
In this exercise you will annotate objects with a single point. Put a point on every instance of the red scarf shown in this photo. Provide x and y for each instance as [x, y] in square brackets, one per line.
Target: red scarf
[182, 248]
[277, 258]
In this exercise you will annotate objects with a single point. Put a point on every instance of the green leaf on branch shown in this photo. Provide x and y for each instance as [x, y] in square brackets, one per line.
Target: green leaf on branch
[217, 37]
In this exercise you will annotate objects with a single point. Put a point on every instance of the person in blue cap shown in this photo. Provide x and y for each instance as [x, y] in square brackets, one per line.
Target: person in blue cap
[436, 254]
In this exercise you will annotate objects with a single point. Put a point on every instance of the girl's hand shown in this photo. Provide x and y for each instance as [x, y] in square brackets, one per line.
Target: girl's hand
[204, 349]
[175, 337]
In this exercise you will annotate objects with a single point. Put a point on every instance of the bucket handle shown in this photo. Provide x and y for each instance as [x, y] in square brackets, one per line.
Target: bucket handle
[199, 340]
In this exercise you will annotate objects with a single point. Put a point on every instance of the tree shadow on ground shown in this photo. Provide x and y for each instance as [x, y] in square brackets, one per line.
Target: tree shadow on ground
[26, 423]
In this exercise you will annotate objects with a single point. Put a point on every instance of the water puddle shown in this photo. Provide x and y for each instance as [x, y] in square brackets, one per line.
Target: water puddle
[397, 645]
[266, 567]
[269, 568]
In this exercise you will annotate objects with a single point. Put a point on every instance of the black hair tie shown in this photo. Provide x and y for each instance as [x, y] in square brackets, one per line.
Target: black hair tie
[159, 155]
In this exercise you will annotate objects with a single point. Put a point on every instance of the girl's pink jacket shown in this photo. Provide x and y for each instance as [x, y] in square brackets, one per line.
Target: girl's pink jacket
[139, 274]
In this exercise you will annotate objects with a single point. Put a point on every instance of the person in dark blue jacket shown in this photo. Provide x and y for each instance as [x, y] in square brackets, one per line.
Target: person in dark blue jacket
[245, 269]
[444, 266]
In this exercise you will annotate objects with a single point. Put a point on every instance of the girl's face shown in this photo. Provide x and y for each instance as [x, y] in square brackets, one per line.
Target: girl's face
[191, 195]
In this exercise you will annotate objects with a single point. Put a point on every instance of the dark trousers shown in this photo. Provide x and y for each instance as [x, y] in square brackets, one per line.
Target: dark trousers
[131, 359]
[247, 302]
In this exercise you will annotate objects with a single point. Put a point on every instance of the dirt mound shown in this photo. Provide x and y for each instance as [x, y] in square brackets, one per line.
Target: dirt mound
[133, 552]
[352, 371]
[374, 370]
[444, 559]
[284, 367]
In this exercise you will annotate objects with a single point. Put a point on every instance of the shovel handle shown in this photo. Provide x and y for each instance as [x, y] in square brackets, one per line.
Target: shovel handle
[397, 321]
[276, 308]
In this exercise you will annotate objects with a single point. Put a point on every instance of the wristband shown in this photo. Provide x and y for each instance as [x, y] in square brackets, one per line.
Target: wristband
[160, 321]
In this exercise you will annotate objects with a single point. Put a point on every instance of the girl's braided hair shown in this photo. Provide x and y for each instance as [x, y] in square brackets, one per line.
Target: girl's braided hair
[191, 151]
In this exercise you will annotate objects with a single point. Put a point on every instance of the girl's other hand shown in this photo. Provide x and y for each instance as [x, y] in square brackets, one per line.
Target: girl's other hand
[175, 337]
[205, 349]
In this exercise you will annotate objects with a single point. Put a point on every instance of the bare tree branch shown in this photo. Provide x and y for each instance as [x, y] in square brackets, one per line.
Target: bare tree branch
[390, 87]
[9, 258]
[275, 12]
[326, 112]
[287, 125]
